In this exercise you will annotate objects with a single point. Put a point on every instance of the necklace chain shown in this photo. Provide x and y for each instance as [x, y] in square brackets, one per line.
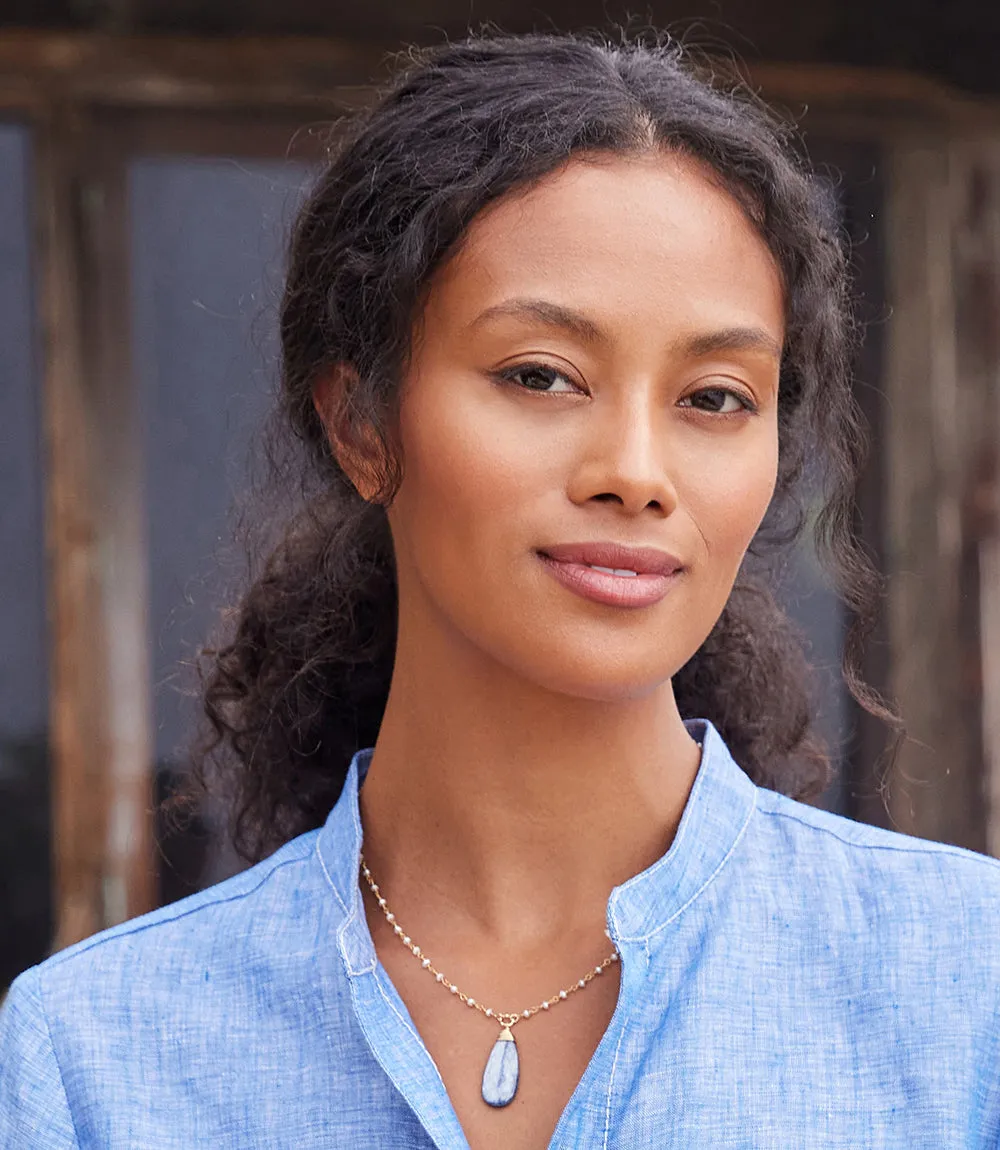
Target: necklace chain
[503, 1017]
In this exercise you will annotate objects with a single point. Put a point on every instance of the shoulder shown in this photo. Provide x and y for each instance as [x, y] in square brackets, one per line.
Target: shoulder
[213, 934]
[903, 890]
[807, 829]
[172, 994]
[34, 1110]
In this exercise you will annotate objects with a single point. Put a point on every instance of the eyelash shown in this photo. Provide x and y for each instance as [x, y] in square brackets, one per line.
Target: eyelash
[510, 375]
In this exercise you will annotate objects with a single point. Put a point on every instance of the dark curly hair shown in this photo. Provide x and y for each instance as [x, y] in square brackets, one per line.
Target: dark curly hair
[300, 680]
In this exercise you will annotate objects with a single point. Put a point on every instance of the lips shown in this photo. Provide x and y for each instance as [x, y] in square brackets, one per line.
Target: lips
[615, 557]
[611, 573]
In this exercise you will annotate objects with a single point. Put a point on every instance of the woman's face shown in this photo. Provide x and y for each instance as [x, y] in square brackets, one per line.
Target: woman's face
[596, 365]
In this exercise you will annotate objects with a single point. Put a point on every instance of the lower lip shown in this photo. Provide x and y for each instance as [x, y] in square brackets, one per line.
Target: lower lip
[614, 590]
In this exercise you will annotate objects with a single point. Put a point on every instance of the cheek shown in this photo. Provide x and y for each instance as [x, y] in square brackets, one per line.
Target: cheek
[469, 473]
[730, 498]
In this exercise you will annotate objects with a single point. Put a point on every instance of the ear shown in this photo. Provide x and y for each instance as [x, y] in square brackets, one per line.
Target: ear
[355, 446]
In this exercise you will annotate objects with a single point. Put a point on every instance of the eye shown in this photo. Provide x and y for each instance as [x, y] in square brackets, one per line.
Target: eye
[719, 401]
[539, 377]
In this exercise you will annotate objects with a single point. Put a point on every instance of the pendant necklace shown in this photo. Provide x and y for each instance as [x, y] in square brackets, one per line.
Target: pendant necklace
[502, 1067]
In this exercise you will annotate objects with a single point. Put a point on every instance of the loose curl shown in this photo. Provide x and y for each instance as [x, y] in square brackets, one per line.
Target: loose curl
[301, 680]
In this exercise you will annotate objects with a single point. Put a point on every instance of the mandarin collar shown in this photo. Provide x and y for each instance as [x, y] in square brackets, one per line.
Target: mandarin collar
[715, 817]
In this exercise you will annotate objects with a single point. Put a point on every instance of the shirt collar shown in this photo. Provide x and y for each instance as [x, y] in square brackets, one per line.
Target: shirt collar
[715, 816]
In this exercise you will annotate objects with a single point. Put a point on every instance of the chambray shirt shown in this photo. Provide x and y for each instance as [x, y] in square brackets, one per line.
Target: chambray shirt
[789, 979]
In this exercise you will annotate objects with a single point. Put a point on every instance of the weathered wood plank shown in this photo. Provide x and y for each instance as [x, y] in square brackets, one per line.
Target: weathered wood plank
[315, 72]
[129, 880]
[96, 555]
[189, 72]
[940, 378]
[77, 670]
[976, 255]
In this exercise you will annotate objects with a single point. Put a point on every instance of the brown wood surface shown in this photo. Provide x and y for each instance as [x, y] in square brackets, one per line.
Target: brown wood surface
[129, 881]
[96, 554]
[976, 259]
[302, 72]
[941, 382]
[78, 673]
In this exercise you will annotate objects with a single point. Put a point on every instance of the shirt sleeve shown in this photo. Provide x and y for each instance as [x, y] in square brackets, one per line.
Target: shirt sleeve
[34, 1109]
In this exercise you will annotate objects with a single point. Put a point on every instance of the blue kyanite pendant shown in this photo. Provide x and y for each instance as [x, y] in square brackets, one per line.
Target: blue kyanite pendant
[500, 1075]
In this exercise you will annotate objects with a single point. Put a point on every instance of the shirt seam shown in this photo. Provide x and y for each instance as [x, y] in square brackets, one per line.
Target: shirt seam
[55, 1059]
[922, 846]
[704, 886]
[60, 958]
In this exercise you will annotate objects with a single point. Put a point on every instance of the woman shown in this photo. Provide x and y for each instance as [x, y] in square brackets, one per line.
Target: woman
[561, 326]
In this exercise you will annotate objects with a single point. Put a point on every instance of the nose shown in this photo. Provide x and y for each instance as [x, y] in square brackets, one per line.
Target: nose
[624, 459]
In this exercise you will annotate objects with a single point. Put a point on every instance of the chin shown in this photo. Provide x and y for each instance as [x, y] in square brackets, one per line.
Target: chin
[600, 681]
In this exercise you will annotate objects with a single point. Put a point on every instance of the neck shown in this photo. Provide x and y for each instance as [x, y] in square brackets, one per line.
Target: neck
[512, 811]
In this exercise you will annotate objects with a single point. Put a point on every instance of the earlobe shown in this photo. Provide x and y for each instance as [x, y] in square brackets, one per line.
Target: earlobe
[354, 447]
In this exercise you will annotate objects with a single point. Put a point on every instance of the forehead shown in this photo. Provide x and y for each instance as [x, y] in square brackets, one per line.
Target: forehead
[645, 239]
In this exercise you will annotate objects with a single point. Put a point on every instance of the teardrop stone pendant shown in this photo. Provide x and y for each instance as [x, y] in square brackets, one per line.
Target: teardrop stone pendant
[500, 1075]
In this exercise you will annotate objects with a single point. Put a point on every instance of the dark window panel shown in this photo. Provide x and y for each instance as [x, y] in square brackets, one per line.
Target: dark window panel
[25, 873]
[208, 240]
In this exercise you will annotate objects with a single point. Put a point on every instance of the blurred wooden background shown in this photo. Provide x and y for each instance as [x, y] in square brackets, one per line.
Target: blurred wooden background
[151, 157]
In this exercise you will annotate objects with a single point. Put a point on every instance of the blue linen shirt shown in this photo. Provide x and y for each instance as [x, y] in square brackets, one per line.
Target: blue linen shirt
[789, 979]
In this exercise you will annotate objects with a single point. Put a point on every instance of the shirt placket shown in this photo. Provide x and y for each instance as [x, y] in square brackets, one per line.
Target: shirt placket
[393, 1039]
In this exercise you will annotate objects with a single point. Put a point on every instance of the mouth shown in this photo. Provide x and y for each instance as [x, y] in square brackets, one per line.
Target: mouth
[611, 573]
[614, 558]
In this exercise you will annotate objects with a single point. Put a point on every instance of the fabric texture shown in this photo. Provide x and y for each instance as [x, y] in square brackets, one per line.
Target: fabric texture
[789, 979]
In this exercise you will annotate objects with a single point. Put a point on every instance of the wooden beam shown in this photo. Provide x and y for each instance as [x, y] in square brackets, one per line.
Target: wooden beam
[100, 718]
[77, 674]
[319, 73]
[129, 879]
[187, 72]
[976, 258]
[942, 372]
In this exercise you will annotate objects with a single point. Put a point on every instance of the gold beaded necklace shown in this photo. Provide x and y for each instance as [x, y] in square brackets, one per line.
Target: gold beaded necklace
[502, 1067]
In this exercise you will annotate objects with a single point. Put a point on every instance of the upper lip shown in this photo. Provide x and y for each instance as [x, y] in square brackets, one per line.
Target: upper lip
[641, 560]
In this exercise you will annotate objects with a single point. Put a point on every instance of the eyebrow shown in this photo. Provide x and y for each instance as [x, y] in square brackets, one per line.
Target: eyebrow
[734, 339]
[544, 312]
[566, 319]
